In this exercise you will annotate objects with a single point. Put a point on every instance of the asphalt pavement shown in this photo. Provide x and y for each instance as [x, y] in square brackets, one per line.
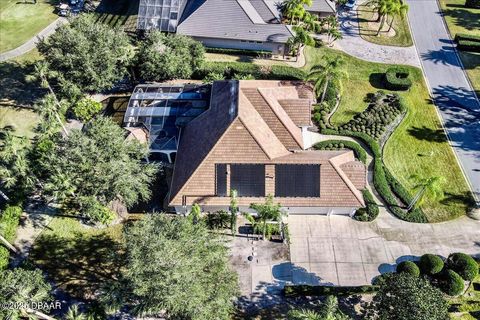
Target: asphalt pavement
[449, 85]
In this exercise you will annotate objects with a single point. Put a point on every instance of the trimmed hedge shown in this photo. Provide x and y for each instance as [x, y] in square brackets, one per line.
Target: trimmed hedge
[466, 36]
[380, 181]
[464, 265]
[9, 219]
[397, 78]
[307, 290]
[451, 283]
[242, 52]
[408, 267]
[370, 212]
[359, 152]
[466, 45]
[430, 264]
[237, 69]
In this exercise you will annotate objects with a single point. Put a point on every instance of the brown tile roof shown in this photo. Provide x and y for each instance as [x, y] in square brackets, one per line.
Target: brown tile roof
[299, 110]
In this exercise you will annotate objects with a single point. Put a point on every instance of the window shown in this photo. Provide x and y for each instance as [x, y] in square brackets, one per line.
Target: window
[221, 179]
[248, 179]
[297, 180]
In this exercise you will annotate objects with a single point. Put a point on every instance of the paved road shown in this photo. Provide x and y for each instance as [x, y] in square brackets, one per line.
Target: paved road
[456, 101]
[32, 43]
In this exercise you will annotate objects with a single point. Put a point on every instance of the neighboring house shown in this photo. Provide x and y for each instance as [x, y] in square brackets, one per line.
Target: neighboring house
[235, 24]
[253, 138]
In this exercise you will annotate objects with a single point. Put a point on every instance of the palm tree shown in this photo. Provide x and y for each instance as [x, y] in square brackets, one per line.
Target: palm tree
[74, 313]
[327, 74]
[41, 73]
[426, 186]
[398, 8]
[384, 9]
[327, 311]
[331, 28]
[301, 37]
[266, 212]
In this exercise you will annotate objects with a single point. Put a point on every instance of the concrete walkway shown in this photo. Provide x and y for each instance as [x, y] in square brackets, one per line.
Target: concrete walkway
[353, 44]
[32, 43]
[459, 107]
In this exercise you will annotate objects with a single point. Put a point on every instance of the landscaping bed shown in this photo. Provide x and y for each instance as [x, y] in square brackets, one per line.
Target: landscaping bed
[418, 146]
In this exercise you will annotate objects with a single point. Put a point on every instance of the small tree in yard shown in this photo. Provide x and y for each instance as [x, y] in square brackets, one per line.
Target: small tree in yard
[233, 211]
[403, 296]
[163, 57]
[86, 56]
[331, 29]
[431, 187]
[327, 74]
[326, 311]
[175, 270]
[85, 109]
[195, 213]
[267, 211]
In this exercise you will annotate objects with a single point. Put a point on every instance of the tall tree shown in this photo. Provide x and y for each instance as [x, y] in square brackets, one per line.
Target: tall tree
[431, 187]
[331, 28]
[398, 9]
[175, 269]
[92, 168]
[267, 212]
[403, 296]
[301, 38]
[86, 56]
[330, 73]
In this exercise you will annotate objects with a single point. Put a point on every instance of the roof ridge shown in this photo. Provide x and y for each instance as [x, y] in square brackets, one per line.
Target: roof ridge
[191, 14]
[334, 162]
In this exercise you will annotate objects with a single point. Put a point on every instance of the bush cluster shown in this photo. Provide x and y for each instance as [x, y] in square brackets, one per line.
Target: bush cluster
[359, 152]
[464, 265]
[396, 78]
[382, 110]
[451, 283]
[322, 110]
[4, 256]
[408, 267]
[232, 70]
[252, 53]
[217, 220]
[430, 264]
[307, 290]
[370, 212]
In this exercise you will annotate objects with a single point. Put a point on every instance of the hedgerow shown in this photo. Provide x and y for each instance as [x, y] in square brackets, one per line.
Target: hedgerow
[397, 78]
[359, 152]
[371, 210]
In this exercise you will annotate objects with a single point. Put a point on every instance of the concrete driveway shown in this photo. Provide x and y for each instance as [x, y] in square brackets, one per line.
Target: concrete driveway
[338, 250]
[453, 95]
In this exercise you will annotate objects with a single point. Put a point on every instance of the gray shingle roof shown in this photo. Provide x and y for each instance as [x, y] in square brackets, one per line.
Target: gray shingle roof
[226, 19]
[321, 6]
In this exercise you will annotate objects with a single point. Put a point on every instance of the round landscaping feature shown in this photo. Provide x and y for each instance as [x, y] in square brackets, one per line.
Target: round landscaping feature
[452, 284]
[408, 267]
[397, 78]
[464, 265]
[430, 264]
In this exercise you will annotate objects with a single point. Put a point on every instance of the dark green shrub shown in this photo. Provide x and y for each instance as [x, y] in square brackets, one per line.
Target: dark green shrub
[465, 36]
[451, 283]
[253, 53]
[370, 212]
[359, 152]
[217, 220]
[472, 4]
[408, 267]
[430, 264]
[4, 256]
[465, 45]
[9, 220]
[307, 290]
[464, 265]
[397, 78]
[286, 73]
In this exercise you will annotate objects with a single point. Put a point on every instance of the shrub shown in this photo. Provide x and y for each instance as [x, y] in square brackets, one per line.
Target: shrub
[217, 220]
[466, 45]
[9, 220]
[472, 4]
[431, 264]
[451, 283]
[4, 256]
[408, 267]
[254, 53]
[359, 152]
[85, 109]
[464, 265]
[286, 73]
[466, 36]
[307, 290]
[396, 78]
[370, 212]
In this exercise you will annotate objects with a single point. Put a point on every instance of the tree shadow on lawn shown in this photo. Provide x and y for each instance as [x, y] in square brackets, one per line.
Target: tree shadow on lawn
[463, 17]
[79, 265]
[462, 198]
[15, 90]
[428, 134]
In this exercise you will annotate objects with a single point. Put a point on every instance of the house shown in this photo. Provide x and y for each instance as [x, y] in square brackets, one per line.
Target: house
[322, 8]
[253, 138]
[235, 24]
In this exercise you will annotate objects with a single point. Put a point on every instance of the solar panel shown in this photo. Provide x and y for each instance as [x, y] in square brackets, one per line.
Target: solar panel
[297, 180]
[248, 179]
[221, 179]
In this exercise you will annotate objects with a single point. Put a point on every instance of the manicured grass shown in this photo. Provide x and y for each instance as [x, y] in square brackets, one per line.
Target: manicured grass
[20, 21]
[10, 117]
[368, 29]
[418, 146]
[79, 259]
[464, 20]
[118, 13]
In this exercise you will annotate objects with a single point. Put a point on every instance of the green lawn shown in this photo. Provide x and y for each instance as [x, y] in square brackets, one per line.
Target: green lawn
[418, 145]
[368, 29]
[20, 21]
[9, 117]
[464, 20]
[79, 259]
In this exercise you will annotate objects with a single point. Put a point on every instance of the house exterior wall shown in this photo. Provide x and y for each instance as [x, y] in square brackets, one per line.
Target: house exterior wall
[238, 146]
[275, 48]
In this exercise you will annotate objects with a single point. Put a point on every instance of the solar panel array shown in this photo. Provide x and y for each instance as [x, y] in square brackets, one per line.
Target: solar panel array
[221, 179]
[159, 14]
[297, 180]
[248, 179]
